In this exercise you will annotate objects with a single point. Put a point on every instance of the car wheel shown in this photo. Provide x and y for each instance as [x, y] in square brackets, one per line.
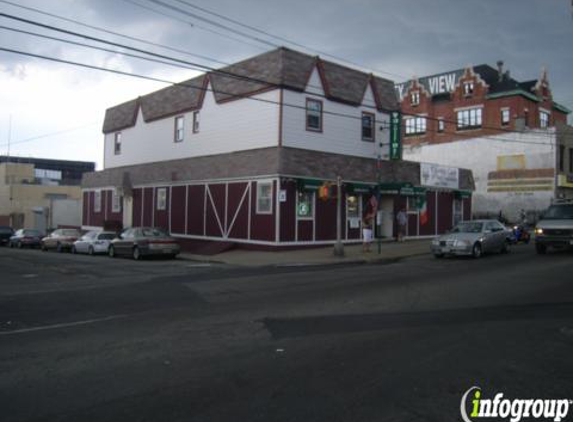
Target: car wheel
[438, 255]
[136, 253]
[506, 246]
[43, 247]
[59, 248]
[111, 252]
[540, 248]
[476, 251]
[19, 245]
[90, 250]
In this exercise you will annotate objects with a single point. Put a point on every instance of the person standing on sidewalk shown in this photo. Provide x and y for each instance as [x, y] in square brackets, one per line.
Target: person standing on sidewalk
[367, 233]
[402, 220]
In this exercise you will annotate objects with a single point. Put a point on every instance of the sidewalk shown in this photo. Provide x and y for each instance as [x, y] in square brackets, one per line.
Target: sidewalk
[390, 251]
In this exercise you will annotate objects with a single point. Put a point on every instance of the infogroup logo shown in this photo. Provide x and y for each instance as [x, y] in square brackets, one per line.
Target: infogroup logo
[513, 409]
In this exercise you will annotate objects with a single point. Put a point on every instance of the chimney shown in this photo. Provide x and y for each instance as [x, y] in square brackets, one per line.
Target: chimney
[500, 70]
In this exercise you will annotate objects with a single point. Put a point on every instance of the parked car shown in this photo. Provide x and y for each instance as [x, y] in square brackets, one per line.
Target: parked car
[5, 234]
[60, 240]
[473, 238]
[93, 242]
[26, 237]
[555, 228]
[139, 242]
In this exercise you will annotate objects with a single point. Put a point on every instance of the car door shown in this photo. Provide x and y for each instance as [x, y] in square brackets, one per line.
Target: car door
[52, 239]
[489, 237]
[123, 245]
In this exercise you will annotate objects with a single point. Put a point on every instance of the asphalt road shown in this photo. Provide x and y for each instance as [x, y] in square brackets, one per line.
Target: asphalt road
[97, 339]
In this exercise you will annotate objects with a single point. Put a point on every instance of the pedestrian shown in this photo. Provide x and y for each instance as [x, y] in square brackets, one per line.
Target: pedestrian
[402, 220]
[366, 234]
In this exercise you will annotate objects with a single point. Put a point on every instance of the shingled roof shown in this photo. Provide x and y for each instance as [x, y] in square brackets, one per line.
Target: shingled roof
[280, 68]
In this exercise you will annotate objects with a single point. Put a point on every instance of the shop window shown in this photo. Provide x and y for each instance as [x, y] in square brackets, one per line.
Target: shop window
[458, 214]
[115, 202]
[304, 204]
[161, 202]
[469, 119]
[179, 129]
[367, 126]
[97, 201]
[313, 115]
[505, 116]
[264, 197]
[352, 206]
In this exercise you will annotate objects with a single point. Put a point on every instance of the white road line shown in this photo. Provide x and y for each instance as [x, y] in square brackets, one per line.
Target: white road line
[63, 325]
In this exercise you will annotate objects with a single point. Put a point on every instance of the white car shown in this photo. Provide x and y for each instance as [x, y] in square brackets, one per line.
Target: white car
[93, 242]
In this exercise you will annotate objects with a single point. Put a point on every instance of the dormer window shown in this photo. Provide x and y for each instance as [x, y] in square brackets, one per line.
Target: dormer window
[415, 98]
[117, 143]
[468, 89]
[179, 129]
[543, 119]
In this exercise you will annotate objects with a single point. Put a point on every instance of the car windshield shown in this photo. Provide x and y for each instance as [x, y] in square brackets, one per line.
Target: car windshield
[31, 233]
[5, 230]
[559, 212]
[153, 232]
[106, 236]
[69, 232]
[468, 227]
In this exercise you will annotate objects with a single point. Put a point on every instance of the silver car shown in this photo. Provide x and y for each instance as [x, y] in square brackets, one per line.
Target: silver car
[93, 242]
[473, 238]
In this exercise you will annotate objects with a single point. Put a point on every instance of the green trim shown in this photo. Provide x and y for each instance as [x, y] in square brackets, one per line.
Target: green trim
[359, 188]
[308, 184]
[462, 194]
[561, 108]
[512, 93]
[403, 189]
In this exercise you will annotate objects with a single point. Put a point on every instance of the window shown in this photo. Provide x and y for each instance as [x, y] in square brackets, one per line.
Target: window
[415, 125]
[470, 119]
[504, 116]
[195, 122]
[543, 119]
[115, 202]
[161, 203]
[458, 211]
[313, 115]
[526, 117]
[367, 126]
[264, 197]
[179, 129]
[561, 157]
[304, 201]
[97, 201]
[468, 89]
[441, 125]
[415, 98]
[117, 143]
[352, 206]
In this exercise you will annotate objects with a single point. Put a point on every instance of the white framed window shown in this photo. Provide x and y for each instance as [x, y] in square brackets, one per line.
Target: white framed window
[313, 115]
[543, 119]
[469, 118]
[117, 143]
[415, 98]
[353, 206]
[415, 125]
[441, 125]
[115, 202]
[468, 89]
[368, 123]
[304, 205]
[161, 201]
[264, 197]
[196, 121]
[179, 129]
[97, 201]
[505, 116]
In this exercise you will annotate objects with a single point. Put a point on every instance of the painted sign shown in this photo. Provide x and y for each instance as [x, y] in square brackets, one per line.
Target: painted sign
[436, 84]
[438, 176]
[395, 136]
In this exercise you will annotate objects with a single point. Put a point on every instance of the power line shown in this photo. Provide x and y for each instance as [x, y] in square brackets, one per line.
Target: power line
[48, 135]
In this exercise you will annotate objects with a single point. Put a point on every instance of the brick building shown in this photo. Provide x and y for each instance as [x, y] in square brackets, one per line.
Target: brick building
[473, 102]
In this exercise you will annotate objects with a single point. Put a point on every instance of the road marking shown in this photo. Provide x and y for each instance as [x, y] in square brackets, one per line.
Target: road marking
[63, 325]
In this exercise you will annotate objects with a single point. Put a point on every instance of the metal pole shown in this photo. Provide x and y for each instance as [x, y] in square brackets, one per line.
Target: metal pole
[378, 227]
[338, 246]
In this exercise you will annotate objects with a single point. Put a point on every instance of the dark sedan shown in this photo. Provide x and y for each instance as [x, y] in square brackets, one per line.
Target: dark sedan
[60, 239]
[26, 237]
[139, 242]
[5, 234]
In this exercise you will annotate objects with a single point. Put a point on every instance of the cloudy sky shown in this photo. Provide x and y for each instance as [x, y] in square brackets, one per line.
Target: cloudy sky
[55, 110]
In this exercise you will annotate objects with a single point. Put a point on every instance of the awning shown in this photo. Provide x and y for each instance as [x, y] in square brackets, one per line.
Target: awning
[462, 194]
[403, 189]
[357, 188]
[308, 184]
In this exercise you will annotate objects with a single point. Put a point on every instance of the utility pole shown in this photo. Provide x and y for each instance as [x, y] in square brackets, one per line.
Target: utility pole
[378, 227]
[338, 246]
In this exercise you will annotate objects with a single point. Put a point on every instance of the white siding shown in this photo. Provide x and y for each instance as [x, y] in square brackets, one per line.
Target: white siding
[481, 156]
[340, 134]
[237, 125]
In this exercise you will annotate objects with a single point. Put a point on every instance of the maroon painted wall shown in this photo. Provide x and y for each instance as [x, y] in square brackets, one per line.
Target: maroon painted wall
[113, 216]
[445, 211]
[148, 206]
[430, 227]
[305, 230]
[412, 225]
[85, 209]
[467, 207]
[238, 210]
[216, 208]
[262, 225]
[195, 205]
[136, 212]
[96, 218]
[178, 209]
[288, 213]
[326, 219]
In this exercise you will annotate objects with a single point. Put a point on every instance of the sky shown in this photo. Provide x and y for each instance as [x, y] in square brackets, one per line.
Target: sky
[55, 110]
